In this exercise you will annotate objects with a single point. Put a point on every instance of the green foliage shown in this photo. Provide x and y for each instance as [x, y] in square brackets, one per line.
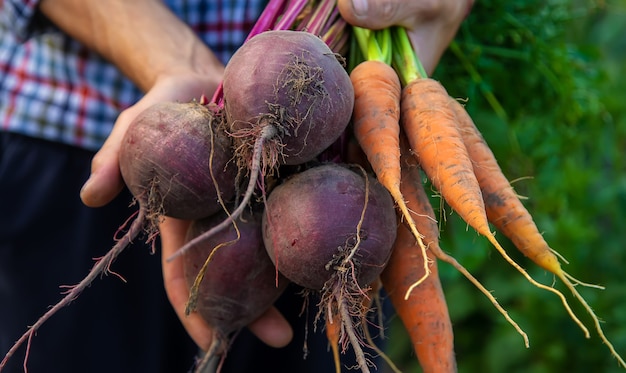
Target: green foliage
[544, 82]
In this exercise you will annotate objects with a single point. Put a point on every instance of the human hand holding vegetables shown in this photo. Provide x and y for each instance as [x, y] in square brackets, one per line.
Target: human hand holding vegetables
[165, 59]
[431, 25]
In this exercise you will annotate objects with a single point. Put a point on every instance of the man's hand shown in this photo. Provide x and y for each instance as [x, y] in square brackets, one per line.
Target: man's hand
[431, 24]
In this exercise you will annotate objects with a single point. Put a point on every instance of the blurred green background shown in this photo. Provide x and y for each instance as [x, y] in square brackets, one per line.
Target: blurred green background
[546, 84]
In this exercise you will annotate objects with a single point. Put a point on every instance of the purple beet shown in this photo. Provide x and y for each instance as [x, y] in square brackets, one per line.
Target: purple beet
[239, 282]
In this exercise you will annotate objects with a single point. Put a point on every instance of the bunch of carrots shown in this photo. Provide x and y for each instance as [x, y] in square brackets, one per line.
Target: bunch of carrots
[408, 127]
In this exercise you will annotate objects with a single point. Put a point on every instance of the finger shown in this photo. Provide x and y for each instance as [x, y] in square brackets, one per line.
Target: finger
[172, 237]
[272, 328]
[105, 181]
[378, 14]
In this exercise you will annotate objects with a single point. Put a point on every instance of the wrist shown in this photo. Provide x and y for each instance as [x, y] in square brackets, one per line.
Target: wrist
[195, 66]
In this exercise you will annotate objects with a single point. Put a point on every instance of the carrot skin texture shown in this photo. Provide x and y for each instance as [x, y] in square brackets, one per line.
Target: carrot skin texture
[376, 121]
[504, 208]
[430, 126]
[425, 312]
[376, 116]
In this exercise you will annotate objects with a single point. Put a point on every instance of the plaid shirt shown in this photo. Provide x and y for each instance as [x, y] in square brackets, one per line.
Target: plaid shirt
[52, 87]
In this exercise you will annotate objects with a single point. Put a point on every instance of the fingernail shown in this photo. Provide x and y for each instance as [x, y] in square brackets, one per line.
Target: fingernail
[85, 187]
[360, 7]
[85, 184]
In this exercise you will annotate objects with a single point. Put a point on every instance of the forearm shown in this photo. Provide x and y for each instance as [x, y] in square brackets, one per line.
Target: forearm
[143, 38]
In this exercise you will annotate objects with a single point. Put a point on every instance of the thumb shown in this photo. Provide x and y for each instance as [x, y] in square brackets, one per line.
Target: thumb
[380, 14]
[105, 181]
[376, 14]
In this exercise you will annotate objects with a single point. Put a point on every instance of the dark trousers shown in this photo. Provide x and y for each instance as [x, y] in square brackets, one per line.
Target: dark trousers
[49, 238]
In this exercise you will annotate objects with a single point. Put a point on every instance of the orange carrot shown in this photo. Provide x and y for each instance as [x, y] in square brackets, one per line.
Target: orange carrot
[422, 308]
[424, 216]
[425, 313]
[507, 213]
[376, 117]
[431, 127]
